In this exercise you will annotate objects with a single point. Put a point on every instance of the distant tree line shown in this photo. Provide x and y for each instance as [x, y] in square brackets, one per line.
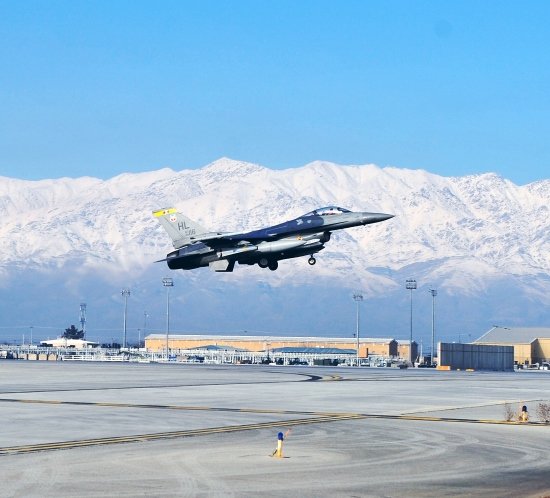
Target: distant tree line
[73, 333]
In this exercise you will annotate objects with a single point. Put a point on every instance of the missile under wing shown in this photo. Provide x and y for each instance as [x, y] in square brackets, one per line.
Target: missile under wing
[306, 235]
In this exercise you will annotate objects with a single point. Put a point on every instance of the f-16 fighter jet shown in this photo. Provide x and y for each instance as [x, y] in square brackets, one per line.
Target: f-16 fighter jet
[303, 236]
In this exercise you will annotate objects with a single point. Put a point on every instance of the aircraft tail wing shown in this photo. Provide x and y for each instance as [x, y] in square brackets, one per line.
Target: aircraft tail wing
[181, 229]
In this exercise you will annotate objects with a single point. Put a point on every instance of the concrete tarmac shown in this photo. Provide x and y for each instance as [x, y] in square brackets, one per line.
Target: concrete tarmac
[120, 429]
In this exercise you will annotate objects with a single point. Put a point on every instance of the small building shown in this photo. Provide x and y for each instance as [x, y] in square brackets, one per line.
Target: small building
[62, 342]
[531, 344]
[459, 356]
[403, 348]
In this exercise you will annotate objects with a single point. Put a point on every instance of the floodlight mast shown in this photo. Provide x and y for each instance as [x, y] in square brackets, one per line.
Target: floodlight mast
[167, 282]
[358, 297]
[433, 292]
[410, 284]
[125, 293]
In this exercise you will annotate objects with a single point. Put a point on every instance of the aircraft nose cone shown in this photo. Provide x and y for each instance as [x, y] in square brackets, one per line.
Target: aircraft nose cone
[384, 217]
[376, 217]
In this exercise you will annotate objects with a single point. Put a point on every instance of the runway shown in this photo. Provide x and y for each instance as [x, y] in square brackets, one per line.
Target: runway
[205, 430]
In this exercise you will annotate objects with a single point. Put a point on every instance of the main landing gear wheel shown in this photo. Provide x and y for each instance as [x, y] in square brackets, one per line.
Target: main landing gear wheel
[312, 260]
[273, 265]
[263, 263]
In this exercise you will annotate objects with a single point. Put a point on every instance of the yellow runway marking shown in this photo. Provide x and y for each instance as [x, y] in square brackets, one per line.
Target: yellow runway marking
[266, 411]
[314, 418]
[31, 448]
[167, 407]
[455, 420]
[102, 404]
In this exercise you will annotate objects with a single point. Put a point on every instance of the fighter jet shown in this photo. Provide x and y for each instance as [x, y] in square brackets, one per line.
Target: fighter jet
[306, 235]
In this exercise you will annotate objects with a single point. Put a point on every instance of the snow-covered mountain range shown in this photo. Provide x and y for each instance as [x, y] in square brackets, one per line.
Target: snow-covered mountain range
[481, 240]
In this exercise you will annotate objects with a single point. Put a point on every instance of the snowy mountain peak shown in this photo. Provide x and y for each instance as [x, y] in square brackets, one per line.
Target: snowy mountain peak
[229, 166]
[466, 234]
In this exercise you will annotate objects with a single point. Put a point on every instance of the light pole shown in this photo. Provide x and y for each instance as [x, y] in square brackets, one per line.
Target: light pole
[31, 333]
[433, 292]
[125, 293]
[358, 297]
[167, 282]
[145, 316]
[410, 284]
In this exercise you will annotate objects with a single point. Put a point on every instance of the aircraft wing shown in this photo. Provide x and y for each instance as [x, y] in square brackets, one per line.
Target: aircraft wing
[214, 239]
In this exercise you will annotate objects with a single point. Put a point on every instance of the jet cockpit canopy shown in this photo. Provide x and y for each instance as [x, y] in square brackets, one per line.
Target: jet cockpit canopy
[325, 211]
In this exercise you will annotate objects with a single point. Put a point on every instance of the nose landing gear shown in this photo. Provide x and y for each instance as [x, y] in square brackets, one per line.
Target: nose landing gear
[312, 260]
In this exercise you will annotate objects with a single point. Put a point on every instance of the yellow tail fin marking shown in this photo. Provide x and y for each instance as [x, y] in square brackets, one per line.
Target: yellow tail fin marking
[162, 212]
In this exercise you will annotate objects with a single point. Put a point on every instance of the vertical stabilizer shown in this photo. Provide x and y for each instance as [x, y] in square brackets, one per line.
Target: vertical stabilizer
[180, 228]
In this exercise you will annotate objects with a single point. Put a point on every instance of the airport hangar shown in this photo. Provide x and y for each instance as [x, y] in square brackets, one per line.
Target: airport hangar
[531, 344]
[385, 347]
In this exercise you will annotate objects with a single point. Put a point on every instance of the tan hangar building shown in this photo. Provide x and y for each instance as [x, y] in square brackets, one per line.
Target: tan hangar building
[367, 346]
[531, 344]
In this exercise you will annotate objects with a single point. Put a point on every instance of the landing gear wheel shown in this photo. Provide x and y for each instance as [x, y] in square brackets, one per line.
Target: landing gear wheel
[273, 265]
[263, 263]
[312, 260]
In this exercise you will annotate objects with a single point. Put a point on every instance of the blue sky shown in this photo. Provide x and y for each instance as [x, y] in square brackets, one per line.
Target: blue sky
[104, 87]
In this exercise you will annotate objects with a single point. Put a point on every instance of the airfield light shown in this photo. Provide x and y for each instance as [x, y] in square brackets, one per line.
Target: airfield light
[410, 284]
[433, 292]
[125, 293]
[358, 297]
[167, 282]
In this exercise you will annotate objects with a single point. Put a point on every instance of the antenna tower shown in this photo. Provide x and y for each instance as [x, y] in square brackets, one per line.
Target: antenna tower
[83, 318]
